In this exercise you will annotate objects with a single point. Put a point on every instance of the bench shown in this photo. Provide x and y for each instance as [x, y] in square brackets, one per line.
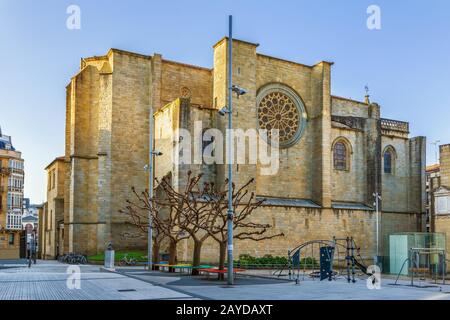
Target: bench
[184, 266]
[419, 270]
[174, 266]
[145, 264]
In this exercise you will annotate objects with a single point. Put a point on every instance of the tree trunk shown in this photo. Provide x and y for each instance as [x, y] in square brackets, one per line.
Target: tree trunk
[172, 254]
[155, 258]
[223, 253]
[197, 254]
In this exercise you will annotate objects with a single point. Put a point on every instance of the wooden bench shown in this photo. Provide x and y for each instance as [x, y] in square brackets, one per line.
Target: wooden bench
[145, 264]
[419, 270]
[174, 266]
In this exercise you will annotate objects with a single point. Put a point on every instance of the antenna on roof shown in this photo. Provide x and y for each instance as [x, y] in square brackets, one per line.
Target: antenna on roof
[367, 97]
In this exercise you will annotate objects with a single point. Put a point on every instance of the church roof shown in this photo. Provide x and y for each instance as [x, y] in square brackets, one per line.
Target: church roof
[306, 203]
[433, 168]
[350, 206]
[284, 202]
[62, 158]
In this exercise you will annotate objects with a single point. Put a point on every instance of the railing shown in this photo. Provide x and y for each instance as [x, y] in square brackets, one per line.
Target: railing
[13, 227]
[15, 170]
[17, 189]
[16, 206]
[5, 171]
[394, 125]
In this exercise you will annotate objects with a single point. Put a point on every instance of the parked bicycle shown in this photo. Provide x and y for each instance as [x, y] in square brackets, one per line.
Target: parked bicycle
[73, 258]
[125, 261]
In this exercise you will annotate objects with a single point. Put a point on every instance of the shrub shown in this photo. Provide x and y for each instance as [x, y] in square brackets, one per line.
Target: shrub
[269, 260]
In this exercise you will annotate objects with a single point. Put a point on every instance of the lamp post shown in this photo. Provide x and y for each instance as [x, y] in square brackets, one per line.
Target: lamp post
[377, 213]
[230, 173]
[229, 110]
[149, 167]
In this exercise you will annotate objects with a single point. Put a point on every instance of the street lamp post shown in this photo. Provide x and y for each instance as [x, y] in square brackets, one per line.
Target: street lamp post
[377, 213]
[224, 111]
[230, 173]
[149, 167]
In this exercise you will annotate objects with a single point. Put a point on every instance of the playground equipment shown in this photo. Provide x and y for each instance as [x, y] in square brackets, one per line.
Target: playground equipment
[423, 263]
[303, 258]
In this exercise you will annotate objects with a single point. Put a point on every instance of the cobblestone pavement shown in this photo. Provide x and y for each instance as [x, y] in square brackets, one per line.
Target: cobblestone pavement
[48, 281]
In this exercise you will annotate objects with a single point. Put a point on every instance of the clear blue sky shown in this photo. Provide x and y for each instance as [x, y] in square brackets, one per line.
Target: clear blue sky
[406, 64]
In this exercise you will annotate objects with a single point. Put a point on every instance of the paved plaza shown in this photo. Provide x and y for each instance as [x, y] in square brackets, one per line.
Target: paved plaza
[48, 280]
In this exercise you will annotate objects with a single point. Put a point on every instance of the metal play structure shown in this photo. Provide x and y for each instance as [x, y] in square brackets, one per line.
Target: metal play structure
[425, 263]
[337, 257]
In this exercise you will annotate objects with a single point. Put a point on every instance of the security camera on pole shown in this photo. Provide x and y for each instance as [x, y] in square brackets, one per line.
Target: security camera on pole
[224, 111]
[149, 167]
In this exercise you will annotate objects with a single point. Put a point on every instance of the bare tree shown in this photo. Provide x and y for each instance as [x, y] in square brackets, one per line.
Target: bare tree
[244, 204]
[193, 214]
[167, 211]
[139, 214]
[199, 212]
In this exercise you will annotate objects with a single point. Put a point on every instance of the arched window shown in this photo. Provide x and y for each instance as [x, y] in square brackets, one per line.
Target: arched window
[389, 160]
[340, 156]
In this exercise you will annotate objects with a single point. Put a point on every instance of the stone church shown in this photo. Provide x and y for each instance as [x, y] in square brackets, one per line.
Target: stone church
[335, 152]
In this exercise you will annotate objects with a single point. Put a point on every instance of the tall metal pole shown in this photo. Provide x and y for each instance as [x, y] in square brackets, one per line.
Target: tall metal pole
[150, 192]
[378, 224]
[377, 229]
[230, 174]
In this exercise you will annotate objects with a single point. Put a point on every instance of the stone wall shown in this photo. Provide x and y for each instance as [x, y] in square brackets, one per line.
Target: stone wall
[445, 165]
[442, 222]
[187, 81]
[301, 225]
[404, 188]
[107, 130]
[442, 225]
[297, 160]
[83, 153]
[252, 72]
[107, 146]
[354, 178]
[54, 211]
[129, 151]
[347, 107]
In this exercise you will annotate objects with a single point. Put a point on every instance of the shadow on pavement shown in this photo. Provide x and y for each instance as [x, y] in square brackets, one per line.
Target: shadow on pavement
[180, 279]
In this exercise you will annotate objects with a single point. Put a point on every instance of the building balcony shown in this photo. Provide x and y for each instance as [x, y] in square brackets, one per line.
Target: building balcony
[394, 125]
[18, 171]
[5, 171]
[15, 208]
[15, 189]
[14, 227]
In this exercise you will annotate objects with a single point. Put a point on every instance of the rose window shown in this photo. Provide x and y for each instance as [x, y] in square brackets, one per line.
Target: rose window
[281, 110]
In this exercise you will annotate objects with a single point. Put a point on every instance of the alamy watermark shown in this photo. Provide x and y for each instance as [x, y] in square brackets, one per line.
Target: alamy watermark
[73, 21]
[210, 146]
[374, 19]
[74, 277]
[374, 280]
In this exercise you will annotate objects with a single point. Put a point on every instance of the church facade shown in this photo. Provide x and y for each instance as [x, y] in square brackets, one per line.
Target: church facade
[334, 154]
